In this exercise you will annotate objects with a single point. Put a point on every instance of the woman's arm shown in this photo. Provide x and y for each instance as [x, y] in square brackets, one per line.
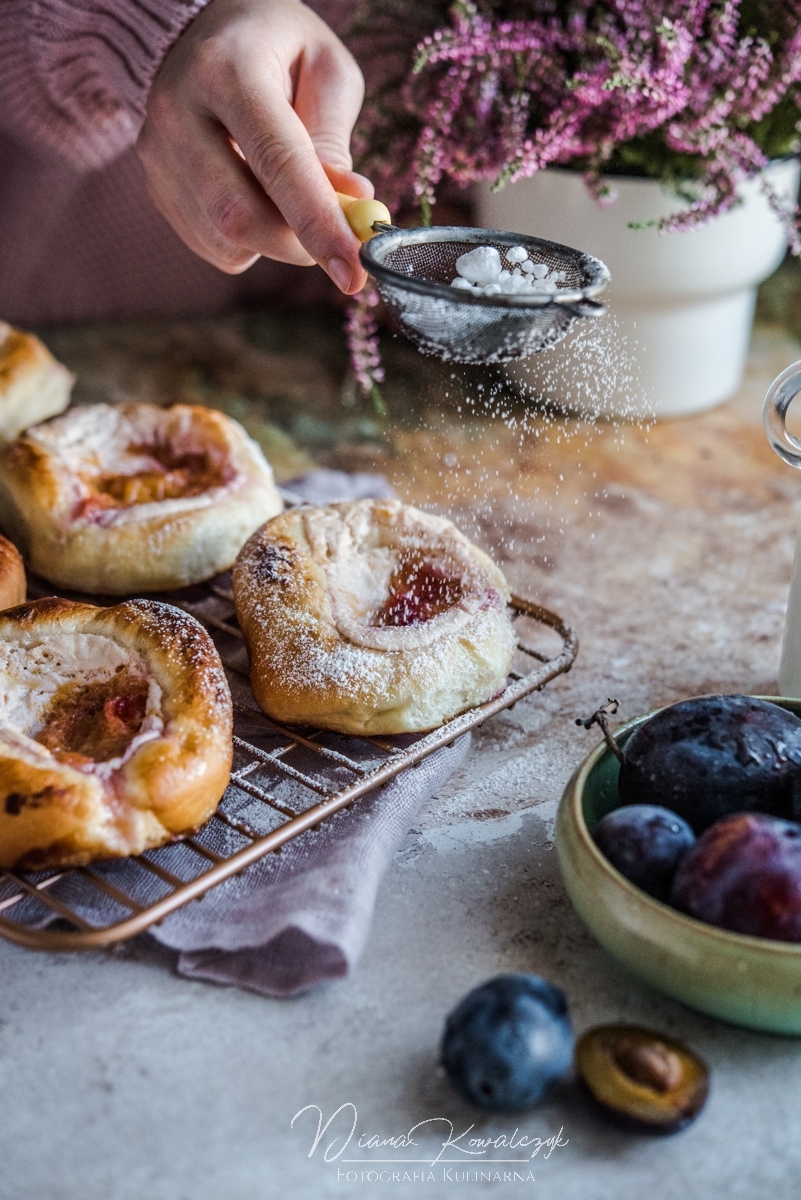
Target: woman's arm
[75, 74]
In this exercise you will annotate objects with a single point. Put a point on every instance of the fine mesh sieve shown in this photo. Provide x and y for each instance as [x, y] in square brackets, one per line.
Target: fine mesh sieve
[413, 270]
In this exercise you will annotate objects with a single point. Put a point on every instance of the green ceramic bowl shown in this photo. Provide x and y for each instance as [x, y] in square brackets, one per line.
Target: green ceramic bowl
[747, 980]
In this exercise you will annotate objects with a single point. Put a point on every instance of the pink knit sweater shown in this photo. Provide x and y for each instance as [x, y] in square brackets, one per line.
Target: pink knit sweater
[79, 237]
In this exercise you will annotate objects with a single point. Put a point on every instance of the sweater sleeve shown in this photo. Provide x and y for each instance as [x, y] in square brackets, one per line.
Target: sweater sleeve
[75, 74]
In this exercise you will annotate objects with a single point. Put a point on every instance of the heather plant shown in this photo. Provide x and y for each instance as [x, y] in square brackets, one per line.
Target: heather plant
[699, 94]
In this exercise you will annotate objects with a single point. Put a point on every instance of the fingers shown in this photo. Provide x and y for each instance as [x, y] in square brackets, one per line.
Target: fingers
[280, 152]
[211, 199]
[247, 138]
[349, 182]
[289, 123]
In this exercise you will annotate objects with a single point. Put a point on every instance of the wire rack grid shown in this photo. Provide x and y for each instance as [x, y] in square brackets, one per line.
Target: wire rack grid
[284, 783]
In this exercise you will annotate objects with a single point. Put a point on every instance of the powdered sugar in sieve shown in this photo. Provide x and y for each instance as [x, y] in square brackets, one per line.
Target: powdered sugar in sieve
[480, 295]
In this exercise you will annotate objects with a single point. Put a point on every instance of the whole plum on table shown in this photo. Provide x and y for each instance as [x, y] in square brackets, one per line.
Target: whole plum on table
[507, 1042]
[645, 844]
[712, 756]
[744, 874]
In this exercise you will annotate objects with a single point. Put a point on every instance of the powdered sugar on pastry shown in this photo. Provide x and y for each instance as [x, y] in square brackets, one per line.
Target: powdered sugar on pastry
[133, 462]
[371, 617]
[370, 555]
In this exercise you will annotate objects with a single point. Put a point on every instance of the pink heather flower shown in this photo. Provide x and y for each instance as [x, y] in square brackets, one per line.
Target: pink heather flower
[498, 89]
[362, 335]
[497, 97]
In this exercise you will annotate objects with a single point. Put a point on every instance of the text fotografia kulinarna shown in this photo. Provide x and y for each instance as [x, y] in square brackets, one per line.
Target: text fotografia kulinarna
[519, 1148]
[449, 1175]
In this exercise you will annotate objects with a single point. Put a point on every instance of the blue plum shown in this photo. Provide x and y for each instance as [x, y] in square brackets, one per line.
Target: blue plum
[507, 1042]
[646, 844]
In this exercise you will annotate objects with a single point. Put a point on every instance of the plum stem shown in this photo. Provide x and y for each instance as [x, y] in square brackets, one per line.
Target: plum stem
[601, 718]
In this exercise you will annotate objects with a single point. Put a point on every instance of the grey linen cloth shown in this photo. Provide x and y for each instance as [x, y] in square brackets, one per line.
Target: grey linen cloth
[300, 918]
[325, 486]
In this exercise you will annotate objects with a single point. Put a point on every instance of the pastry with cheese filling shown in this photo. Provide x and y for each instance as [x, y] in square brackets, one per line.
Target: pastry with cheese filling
[115, 730]
[33, 384]
[12, 575]
[371, 617]
[115, 499]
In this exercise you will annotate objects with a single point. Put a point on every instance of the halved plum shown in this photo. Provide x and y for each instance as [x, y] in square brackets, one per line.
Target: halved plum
[642, 1078]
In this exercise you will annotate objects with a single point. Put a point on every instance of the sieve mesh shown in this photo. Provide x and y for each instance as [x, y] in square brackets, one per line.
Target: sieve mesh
[413, 270]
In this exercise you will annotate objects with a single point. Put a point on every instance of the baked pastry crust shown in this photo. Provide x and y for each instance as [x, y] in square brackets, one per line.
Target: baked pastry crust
[114, 499]
[33, 384]
[12, 575]
[371, 617]
[115, 730]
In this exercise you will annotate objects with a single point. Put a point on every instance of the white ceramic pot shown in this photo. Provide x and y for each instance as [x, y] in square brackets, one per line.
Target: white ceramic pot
[781, 393]
[685, 301]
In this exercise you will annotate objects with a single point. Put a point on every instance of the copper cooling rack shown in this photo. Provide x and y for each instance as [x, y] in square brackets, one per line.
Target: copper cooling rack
[284, 783]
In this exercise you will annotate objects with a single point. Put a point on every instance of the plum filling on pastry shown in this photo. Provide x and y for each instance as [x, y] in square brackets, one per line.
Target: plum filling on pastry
[371, 617]
[418, 591]
[164, 474]
[396, 580]
[115, 730]
[96, 721]
[84, 698]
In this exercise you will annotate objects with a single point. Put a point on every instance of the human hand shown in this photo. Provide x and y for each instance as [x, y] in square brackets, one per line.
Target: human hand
[246, 139]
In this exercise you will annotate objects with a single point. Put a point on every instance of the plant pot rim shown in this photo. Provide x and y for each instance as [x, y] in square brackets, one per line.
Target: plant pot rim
[651, 180]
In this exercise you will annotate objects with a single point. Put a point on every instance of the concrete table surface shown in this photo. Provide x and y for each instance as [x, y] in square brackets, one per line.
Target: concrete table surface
[670, 550]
